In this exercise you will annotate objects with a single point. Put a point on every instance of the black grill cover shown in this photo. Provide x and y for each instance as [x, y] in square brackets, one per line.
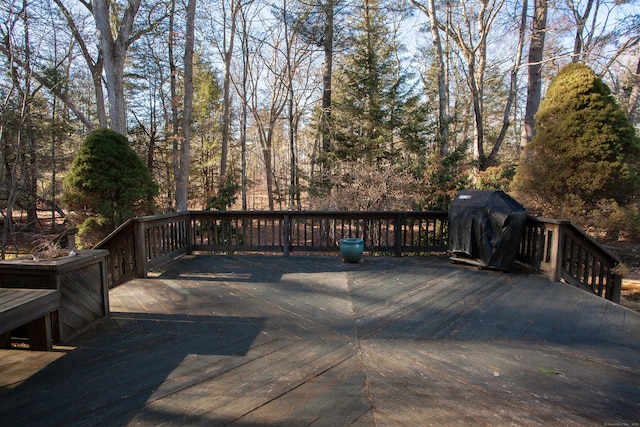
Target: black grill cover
[485, 227]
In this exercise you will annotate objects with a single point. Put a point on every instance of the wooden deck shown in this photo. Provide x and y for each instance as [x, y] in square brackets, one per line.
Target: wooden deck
[272, 340]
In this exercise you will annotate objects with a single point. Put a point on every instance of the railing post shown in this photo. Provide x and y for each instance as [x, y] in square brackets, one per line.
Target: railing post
[140, 247]
[189, 235]
[613, 293]
[554, 244]
[286, 233]
[397, 235]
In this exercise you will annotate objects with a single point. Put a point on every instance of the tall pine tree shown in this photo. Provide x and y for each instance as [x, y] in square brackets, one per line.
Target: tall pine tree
[372, 95]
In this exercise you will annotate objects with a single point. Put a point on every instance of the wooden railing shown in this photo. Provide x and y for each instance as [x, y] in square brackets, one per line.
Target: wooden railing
[143, 243]
[554, 247]
[286, 232]
[563, 251]
[146, 242]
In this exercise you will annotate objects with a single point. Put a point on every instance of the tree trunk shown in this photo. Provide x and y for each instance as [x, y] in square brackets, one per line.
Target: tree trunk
[114, 54]
[244, 114]
[288, 37]
[632, 109]
[182, 191]
[226, 103]
[513, 86]
[96, 75]
[173, 84]
[478, 116]
[324, 126]
[30, 164]
[581, 20]
[534, 84]
[268, 164]
[327, 70]
[443, 93]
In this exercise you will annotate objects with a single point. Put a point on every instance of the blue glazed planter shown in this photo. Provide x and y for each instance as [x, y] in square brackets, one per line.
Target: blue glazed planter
[351, 249]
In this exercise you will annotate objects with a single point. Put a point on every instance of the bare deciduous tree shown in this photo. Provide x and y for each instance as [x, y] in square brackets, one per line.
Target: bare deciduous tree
[534, 82]
[182, 180]
[632, 109]
[443, 91]
[95, 65]
[113, 49]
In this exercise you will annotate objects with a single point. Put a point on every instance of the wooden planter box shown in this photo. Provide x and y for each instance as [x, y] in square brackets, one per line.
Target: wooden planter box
[82, 281]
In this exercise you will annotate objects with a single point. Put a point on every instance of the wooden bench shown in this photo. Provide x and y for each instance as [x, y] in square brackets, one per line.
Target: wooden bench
[30, 307]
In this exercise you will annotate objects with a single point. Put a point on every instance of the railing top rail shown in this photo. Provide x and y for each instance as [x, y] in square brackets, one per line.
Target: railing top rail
[162, 216]
[384, 214]
[114, 233]
[149, 219]
[579, 234]
[543, 219]
[140, 219]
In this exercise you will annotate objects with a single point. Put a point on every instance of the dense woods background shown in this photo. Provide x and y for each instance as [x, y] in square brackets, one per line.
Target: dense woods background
[293, 104]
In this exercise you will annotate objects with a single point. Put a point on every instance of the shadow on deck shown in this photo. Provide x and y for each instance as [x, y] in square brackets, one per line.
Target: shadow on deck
[264, 340]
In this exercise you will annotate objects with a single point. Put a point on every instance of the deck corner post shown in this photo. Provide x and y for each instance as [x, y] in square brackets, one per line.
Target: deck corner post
[140, 245]
[556, 253]
[613, 294]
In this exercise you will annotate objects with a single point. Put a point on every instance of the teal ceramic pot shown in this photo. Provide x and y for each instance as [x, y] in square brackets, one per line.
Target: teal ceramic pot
[351, 249]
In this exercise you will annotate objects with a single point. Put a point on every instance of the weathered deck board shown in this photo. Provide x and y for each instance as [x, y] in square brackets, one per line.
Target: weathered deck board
[257, 340]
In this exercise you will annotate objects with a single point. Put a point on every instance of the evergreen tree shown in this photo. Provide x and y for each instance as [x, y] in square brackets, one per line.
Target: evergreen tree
[584, 151]
[372, 95]
[107, 184]
[207, 132]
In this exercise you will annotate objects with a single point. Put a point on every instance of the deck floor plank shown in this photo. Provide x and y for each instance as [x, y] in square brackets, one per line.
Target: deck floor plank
[264, 340]
[232, 394]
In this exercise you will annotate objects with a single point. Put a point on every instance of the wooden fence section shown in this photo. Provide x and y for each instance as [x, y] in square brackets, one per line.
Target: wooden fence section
[286, 232]
[556, 248]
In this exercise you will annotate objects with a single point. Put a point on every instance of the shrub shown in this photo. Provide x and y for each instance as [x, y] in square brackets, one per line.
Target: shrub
[442, 178]
[358, 186]
[616, 222]
[226, 197]
[107, 184]
[495, 178]
[584, 154]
